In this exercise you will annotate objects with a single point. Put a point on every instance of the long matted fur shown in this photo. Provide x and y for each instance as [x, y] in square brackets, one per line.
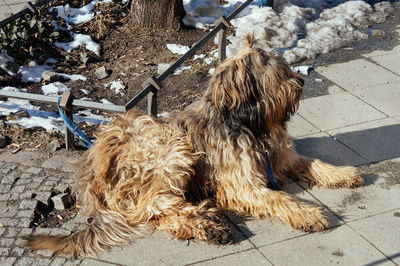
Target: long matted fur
[143, 174]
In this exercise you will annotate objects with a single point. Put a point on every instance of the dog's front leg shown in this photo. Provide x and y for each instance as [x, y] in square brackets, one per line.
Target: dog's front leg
[262, 202]
[317, 172]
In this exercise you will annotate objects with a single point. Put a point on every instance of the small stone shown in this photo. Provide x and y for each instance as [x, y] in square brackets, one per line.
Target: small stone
[27, 205]
[50, 76]
[58, 202]
[18, 189]
[24, 222]
[45, 253]
[101, 72]
[7, 261]
[21, 114]
[58, 261]
[43, 196]
[61, 188]
[162, 67]
[24, 214]
[378, 33]
[34, 170]
[31, 63]
[4, 252]
[17, 251]
[54, 145]
[25, 261]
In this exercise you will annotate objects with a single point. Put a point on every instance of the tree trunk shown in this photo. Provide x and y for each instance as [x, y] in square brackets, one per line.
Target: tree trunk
[158, 13]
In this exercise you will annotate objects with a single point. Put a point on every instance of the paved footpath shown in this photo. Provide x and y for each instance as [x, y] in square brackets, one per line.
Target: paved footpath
[8, 7]
[357, 123]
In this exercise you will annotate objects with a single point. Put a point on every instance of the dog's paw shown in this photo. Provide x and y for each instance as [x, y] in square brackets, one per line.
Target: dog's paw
[316, 224]
[311, 219]
[356, 181]
[219, 235]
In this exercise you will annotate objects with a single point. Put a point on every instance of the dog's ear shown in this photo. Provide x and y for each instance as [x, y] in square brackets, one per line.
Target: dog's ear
[236, 95]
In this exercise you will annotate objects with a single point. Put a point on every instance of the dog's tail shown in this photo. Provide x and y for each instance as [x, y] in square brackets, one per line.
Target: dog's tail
[106, 230]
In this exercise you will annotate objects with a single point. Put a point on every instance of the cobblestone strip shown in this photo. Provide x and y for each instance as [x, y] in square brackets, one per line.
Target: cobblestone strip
[21, 186]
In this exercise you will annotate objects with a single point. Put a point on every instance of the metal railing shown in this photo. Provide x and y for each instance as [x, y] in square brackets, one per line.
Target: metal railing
[150, 87]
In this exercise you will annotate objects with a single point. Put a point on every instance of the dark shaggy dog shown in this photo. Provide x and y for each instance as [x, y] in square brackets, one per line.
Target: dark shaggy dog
[143, 174]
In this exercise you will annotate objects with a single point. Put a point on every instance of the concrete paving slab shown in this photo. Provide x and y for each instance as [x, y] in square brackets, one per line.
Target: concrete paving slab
[12, 2]
[251, 258]
[384, 97]
[381, 193]
[59, 162]
[266, 232]
[383, 232]
[26, 158]
[298, 126]
[5, 10]
[161, 249]
[376, 141]
[323, 147]
[356, 74]
[337, 110]
[87, 262]
[17, 7]
[390, 61]
[335, 89]
[341, 246]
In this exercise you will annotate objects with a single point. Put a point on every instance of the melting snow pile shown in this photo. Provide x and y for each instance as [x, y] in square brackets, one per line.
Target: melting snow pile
[297, 29]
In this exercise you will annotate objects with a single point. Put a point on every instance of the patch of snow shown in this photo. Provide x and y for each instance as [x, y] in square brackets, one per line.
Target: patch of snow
[177, 48]
[105, 101]
[163, 114]
[79, 40]
[208, 60]
[296, 29]
[195, 57]
[34, 73]
[72, 77]
[211, 71]
[86, 92]
[304, 70]
[77, 15]
[203, 13]
[116, 85]
[180, 69]
[4, 58]
[88, 117]
[54, 88]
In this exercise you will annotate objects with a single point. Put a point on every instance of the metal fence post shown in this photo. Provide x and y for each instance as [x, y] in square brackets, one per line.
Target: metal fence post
[155, 86]
[222, 38]
[66, 104]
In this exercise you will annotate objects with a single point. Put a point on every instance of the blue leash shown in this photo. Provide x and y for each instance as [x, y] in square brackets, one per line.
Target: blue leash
[73, 127]
[274, 183]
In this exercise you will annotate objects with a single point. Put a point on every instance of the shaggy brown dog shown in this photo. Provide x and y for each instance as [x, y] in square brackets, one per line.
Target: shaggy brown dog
[143, 174]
